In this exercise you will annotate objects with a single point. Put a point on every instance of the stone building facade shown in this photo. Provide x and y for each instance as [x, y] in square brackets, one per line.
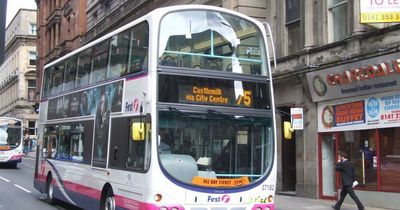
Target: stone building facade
[18, 72]
[345, 75]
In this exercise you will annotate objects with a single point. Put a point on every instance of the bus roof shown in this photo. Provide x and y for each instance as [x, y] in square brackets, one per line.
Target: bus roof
[155, 15]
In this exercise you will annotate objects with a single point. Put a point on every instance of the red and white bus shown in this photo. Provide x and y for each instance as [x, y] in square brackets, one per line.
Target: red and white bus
[10, 141]
[172, 111]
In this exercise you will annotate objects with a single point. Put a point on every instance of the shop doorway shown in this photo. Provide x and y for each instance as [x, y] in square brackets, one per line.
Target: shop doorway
[327, 164]
[288, 158]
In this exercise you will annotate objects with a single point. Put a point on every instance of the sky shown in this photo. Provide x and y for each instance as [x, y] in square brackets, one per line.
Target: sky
[14, 5]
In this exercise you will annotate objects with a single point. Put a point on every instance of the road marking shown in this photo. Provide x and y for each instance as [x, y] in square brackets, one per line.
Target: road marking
[4, 179]
[22, 188]
[27, 165]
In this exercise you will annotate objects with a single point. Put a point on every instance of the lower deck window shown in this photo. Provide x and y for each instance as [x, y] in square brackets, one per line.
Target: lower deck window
[69, 141]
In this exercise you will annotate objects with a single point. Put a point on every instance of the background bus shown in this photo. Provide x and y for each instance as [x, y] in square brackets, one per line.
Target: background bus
[10, 141]
[172, 111]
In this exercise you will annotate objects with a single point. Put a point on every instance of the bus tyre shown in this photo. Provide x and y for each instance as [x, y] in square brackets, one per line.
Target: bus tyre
[49, 190]
[14, 165]
[108, 201]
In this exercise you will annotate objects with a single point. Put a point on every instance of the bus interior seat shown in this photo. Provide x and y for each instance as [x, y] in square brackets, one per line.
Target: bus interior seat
[182, 167]
[168, 61]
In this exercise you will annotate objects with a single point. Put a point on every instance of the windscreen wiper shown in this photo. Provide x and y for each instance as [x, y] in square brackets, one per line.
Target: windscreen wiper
[220, 114]
[186, 115]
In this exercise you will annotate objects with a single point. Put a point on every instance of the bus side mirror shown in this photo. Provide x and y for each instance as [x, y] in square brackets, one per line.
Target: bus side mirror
[137, 131]
[287, 130]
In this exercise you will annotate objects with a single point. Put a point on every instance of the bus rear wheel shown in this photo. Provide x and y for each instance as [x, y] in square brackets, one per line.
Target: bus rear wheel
[108, 202]
[49, 190]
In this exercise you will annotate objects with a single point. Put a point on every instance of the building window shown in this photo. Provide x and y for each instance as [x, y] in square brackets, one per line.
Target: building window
[32, 58]
[295, 41]
[31, 90]
[32, 29]
[338, 19]
[31, 127]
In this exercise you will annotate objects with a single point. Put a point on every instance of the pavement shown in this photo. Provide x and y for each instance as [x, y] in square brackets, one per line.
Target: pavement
[291, 202]
[288, 202]
[31, 154]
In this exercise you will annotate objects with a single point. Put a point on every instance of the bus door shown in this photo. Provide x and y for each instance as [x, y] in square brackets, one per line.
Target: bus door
[50, 143]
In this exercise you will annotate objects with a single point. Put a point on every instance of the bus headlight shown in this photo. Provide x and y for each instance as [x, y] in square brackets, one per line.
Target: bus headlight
[157, 198]
[163, 208]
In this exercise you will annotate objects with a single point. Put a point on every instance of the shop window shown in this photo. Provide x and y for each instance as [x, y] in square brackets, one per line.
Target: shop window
[389, 157]
[361, 147]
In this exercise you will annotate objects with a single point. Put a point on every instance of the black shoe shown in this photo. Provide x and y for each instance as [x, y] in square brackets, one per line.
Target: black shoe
[334, 207]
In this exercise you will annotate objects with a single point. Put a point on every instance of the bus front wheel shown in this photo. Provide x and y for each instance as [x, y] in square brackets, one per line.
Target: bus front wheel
[14, 165]
[108, 201]
[49, 190]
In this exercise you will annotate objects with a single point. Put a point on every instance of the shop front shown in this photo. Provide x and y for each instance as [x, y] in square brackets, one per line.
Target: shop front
[359, 112]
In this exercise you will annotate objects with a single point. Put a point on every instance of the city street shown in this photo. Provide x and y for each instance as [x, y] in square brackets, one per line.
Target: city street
[284, 202]
[17, 190]
[18, 193]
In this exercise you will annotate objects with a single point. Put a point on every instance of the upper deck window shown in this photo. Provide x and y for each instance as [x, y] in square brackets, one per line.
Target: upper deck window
[213, 41]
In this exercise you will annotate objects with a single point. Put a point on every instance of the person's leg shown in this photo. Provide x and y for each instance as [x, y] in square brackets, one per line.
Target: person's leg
[343, 194]
[355, 198]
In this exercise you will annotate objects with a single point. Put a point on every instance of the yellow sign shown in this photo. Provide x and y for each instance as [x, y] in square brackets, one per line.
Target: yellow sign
[207, 95]
[4, 147]
[379, 11]
[245, 99]
[220, 182]
[382, 17]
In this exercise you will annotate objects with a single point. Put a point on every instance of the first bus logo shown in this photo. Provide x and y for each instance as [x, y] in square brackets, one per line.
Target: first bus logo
[219, 199]
[131, 106]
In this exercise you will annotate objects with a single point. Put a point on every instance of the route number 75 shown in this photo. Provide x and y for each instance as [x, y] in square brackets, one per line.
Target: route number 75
[244, 99]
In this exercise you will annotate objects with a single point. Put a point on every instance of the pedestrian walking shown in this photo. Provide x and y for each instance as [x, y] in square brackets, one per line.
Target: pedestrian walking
[348, 174]
[26, 142]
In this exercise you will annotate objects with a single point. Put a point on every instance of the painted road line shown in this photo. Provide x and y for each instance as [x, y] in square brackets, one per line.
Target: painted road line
[4, 179]
[22, 188]
[27, 165]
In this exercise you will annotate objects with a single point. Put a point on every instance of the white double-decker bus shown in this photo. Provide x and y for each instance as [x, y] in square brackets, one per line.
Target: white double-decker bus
[10, 141]
[172, 111]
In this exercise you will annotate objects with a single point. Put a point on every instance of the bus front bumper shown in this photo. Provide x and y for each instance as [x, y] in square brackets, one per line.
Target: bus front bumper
[10, 158]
